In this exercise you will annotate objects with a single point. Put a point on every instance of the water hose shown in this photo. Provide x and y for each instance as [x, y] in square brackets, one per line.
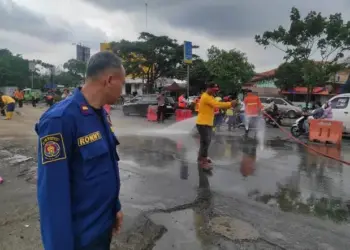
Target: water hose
[304, 144]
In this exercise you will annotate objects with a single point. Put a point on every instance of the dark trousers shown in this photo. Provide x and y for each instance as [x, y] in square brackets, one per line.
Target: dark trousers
[33, 102]
[50, 102]
[205, 139]
[3, 113]
[103, 242]
[20, 103]
[160, 113]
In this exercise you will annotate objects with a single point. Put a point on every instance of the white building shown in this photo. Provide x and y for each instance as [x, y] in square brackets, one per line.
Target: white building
[132, 85]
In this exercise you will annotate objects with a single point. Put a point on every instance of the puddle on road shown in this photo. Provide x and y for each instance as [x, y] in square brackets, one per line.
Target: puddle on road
[283, 175]
[186, 230]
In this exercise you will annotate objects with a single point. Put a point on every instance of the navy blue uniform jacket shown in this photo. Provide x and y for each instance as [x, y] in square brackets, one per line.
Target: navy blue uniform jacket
[78, 174]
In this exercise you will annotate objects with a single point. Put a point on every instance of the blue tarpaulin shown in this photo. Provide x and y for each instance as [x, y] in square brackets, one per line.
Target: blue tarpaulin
[50, 86]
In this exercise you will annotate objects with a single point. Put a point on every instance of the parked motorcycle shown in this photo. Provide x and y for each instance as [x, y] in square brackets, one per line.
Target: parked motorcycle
[298, 127]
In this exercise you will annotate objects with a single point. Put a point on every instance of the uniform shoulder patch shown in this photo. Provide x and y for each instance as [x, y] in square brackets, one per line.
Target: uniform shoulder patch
[52, 148]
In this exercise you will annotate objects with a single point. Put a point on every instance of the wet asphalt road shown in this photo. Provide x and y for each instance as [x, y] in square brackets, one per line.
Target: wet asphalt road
[278, 196]
[294, 198]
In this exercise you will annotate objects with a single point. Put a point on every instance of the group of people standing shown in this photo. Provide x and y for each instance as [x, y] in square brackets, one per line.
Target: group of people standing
[209, 113]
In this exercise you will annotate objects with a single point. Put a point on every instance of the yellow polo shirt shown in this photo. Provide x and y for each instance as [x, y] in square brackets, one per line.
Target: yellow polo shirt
[207, 105]
[7, 99]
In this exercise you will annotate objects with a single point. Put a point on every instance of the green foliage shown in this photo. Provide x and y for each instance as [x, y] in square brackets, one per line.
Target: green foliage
[312, 46]
[230, 69]
[14, 70]
[150, 57]
[199, 74]
[73, 74]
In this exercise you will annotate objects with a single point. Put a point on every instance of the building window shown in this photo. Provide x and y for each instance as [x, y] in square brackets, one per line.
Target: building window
[128, 89]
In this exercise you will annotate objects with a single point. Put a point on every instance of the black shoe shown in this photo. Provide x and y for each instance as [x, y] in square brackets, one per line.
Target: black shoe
[246, 133]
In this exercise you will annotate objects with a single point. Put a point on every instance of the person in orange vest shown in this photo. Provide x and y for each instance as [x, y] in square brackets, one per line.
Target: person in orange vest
[182, 102]
[205, 120]
[19, 97]
[253, 108]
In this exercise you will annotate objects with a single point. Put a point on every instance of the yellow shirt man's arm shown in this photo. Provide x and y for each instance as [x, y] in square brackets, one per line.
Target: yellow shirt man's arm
[221, 105]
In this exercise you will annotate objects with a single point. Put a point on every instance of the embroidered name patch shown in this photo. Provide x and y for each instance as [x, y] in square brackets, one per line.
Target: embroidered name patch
[52, 148]
[90, 138]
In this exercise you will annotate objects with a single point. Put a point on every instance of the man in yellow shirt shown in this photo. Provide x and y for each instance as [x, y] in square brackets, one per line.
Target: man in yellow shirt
[9, 103]
[205, 120]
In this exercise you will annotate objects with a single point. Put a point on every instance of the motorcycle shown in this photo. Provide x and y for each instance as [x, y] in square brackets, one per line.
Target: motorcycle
[298, 127]
[275, 121]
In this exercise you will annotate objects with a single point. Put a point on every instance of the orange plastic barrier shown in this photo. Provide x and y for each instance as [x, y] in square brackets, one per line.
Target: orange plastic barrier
[326, 131]
[152, 113]
[182, 114]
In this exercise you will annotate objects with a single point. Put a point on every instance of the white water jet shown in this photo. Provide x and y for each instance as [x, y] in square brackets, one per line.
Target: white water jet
[184, 127]
[260, 133]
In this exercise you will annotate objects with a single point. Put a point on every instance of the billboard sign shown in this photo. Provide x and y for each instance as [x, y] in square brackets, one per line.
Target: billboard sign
[83, 53]
[187, 52]
[105, 47]
[32, 66]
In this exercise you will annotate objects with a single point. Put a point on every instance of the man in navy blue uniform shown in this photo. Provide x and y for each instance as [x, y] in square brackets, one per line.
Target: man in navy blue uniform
[78, 174]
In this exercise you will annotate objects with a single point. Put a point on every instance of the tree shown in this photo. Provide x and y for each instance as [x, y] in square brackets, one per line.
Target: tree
[75, 72]
[230, 69]
[14, 70]
[312, 47]
[199, 74]
[150, 57]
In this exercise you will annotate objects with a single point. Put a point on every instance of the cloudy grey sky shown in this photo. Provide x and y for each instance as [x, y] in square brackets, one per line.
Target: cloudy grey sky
[46, 29]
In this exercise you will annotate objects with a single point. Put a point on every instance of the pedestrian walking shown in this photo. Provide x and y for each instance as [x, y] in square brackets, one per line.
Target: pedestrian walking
[78, 174]
[205, 120]
[19, 96]
[161, 107]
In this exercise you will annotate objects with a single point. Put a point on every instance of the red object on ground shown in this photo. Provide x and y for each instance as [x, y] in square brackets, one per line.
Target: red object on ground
[152, 113]
[182, 114]
[1, 180]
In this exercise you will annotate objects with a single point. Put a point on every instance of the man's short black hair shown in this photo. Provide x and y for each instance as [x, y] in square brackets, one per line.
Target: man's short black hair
[101, 61]
[212, 85]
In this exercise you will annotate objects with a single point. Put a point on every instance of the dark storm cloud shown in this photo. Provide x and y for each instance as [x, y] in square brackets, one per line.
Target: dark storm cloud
[16, 18]
[224, 18]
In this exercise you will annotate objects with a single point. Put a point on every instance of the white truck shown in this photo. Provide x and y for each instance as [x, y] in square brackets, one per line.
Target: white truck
[341, 110]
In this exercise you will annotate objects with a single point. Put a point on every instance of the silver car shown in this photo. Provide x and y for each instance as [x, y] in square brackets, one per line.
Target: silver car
[286, 107]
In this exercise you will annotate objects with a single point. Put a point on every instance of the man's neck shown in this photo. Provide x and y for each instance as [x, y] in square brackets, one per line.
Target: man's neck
[92, 97]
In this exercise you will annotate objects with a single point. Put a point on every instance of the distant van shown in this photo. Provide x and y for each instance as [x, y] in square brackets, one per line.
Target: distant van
[341, 110]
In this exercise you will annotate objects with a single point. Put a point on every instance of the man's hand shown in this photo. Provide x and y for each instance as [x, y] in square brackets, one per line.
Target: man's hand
[118, 222]
[234, 103]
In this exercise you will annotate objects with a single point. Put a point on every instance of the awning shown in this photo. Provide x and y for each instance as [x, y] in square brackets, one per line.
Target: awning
[303, 91]
[173, 87]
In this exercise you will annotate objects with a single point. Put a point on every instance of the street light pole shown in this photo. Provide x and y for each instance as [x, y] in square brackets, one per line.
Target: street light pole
[32, 79]
[146, 8]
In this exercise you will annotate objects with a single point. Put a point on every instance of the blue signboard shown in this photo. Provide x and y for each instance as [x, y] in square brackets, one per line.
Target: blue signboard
[187, 52]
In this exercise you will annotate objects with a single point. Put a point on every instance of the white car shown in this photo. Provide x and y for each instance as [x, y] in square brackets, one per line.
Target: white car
[341, 110]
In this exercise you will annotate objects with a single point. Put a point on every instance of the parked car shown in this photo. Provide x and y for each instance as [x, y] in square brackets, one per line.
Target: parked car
[139, 105]
[341, 110]
[284, 106]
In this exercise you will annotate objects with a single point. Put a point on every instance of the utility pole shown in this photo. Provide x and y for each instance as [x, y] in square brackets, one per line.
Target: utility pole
[146, 9]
